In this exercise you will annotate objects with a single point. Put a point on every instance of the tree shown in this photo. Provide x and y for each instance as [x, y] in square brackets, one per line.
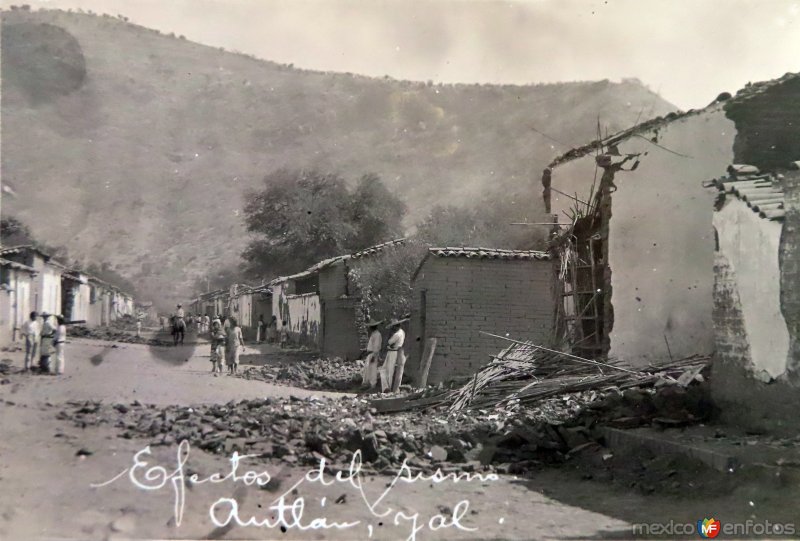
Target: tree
[486, 224]
[301, 217]
[377, 213]
[383, 283]
[448, 226]
[14, 233]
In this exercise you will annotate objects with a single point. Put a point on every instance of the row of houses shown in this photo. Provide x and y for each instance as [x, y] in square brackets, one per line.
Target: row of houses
[248, 304]
[32, 280]
[456, 293]
[682, 239]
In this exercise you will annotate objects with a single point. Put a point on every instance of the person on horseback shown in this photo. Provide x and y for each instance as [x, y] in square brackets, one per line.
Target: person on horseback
[178, 325]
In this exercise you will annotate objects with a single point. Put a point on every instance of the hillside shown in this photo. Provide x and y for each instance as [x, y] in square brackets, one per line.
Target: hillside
[137, 147]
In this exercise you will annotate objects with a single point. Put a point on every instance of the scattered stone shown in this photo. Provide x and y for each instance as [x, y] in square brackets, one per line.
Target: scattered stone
[438, 453]
[84, 452]
[125, 524]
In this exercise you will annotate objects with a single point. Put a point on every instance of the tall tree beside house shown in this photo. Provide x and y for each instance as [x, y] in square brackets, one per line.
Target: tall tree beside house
[301, 217]
[376, 212]
[383, 283]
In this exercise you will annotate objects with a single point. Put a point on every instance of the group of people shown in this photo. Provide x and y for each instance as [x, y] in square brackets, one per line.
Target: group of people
[43, 340]
[227, 343]
[390, 371]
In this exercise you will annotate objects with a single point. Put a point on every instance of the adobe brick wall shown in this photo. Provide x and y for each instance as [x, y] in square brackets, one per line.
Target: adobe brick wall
[340, 329]
[730, 335]
[789, 253]
[741, 399]
[333, 281]
[465, 296]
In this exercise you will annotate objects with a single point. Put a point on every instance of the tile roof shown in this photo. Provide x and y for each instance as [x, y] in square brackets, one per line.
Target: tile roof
[16, 266]
[482, 253]
[366, 252]
[372, 250]
[761, 191]
[22, 249]
[489, 253]
[749, 91]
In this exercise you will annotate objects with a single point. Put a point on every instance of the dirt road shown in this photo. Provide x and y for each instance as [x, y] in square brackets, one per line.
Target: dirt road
[49, 466]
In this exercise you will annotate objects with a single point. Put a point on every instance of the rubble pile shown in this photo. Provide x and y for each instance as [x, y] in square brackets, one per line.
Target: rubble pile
[513, 438]
[529, 373]
[316, 373]
[124, 323]
[115, 335]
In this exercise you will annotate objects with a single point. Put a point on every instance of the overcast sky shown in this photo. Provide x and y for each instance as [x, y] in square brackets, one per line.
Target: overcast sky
[687, 50]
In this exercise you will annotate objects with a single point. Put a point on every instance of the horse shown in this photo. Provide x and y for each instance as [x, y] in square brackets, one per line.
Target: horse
[178, 330]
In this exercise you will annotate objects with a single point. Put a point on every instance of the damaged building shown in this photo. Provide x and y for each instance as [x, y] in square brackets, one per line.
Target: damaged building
[636, 239]
[756, 381]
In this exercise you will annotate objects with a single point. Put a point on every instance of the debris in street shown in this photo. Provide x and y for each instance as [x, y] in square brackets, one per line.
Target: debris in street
[528, 373]
[115, 335]
[508, 436]
[318, 373]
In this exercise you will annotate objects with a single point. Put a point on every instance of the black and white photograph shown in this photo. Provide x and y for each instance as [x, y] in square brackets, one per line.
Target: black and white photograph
[399, 270]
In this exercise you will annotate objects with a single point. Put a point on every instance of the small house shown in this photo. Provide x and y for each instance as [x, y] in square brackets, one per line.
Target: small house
[46, 290]
[99, 303]
[16, 284]
[75, 295]
[459, 292]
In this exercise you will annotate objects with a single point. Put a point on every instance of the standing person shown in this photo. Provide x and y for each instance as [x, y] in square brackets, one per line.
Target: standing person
[31, 330]
[393, 356]
[206, 323]
[234, 345]
[262, 329]
[272, 335]
[226, 323]
[217, 346]
[374, 344]
[59, 342]
[46, 348]
[284, 335]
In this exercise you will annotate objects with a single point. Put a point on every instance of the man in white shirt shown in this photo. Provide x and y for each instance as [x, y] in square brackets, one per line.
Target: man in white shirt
[370, 375]
[179, 313]
[47, 347]
[395, 358]
[31, 331]
[59, 341]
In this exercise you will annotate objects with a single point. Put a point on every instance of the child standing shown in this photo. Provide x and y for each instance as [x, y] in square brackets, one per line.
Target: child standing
[234, 345]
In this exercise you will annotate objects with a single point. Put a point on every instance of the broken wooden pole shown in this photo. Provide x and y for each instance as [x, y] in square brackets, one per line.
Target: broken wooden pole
[425, 366]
